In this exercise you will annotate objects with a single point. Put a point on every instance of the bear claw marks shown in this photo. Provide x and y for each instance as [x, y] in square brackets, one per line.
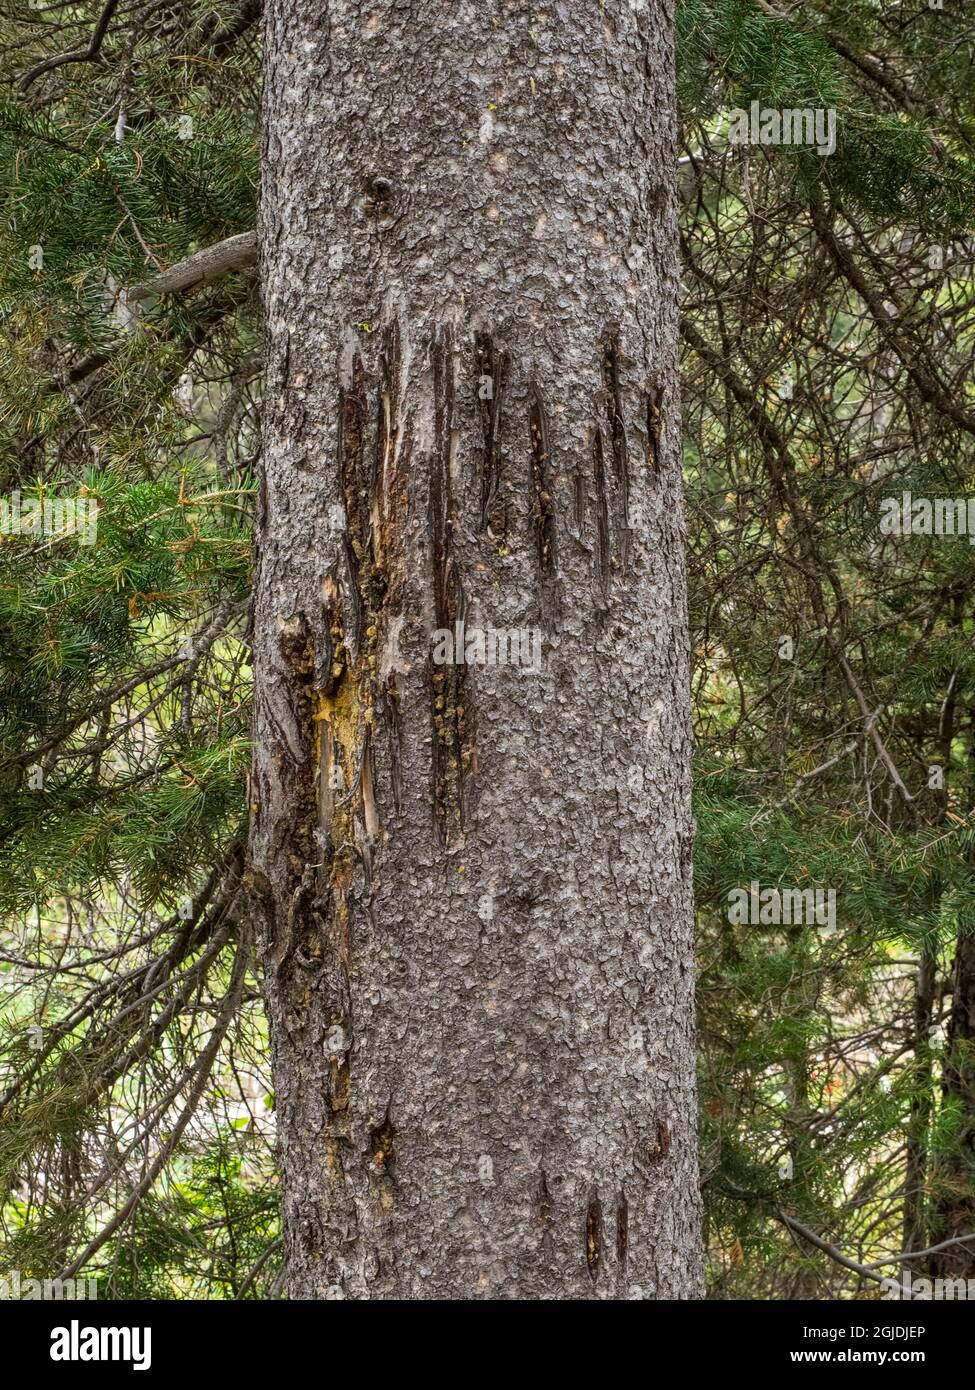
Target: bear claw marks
[611, 358]
[491, 367]
[452, 748]
[543, 505]
[594, 1236]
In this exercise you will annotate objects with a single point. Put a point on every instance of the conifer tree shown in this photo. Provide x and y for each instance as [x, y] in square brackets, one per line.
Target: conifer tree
[826, 371]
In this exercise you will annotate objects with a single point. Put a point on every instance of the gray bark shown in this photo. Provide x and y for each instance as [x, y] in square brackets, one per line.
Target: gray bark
[203, 267]
[955, 1211]
[474, 880]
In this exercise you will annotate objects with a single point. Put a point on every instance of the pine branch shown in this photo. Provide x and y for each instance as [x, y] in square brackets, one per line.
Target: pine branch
[202, 268]
[78, 55]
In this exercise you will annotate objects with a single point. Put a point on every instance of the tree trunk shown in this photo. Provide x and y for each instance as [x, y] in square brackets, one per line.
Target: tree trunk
[472, 867]
[955, 1208]
[915, 1235]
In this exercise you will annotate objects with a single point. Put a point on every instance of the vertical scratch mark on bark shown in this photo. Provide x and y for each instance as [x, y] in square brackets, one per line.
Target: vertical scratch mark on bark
[351, 435]
[579, 503]
[611, 354]
[602, 508]
[594, 1236]
[543, 506]
[447, 682]
[387, 441]
[370, 813]
[491, 376]
[544, 1199]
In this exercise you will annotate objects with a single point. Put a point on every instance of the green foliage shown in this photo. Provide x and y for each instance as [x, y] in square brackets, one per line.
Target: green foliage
[887, 164]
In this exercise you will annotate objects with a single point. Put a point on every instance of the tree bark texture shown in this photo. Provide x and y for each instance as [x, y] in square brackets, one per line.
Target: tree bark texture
[955, 1211]
[474, 880]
